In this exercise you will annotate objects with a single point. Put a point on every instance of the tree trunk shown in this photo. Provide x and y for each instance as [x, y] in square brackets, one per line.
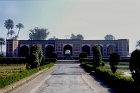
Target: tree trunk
[1, 49]
[18, 32]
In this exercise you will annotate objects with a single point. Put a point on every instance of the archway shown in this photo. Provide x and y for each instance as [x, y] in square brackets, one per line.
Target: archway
[110, 50]
[24, 51]
[86, 49]
[68, 50]
[49, 50]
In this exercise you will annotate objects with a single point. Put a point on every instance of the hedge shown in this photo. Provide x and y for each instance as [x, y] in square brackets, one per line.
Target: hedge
[114, 80]
[51, 60]
[12, 60]
[17, 76]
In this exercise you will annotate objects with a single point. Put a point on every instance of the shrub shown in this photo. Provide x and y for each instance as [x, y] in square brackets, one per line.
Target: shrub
[53, 55]
[43, 61]
[35, 56]
[1, 55]
[83, 55]
[135, 66]
[48, 60]
[5, 60]
[114, 60]
[96, 56]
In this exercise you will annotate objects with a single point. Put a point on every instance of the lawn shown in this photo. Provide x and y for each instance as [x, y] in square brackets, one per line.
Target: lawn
[6, 70]
[122, 68]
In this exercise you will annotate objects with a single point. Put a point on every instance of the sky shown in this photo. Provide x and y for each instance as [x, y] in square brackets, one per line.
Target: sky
[92, 18]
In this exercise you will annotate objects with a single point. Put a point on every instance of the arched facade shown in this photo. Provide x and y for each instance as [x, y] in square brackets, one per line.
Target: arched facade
[24, 51]
[16, 48]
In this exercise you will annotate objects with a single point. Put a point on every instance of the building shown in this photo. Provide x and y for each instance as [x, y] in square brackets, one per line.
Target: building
[19, 48]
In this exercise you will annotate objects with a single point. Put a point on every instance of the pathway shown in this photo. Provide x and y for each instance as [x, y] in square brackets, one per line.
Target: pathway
[68, 78]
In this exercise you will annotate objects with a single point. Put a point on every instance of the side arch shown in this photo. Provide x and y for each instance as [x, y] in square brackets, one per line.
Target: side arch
[110, 50]
[86, 49]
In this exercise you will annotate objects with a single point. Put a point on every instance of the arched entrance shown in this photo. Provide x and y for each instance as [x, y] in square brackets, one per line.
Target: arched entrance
[86, 49]
[24, 51]
[49, 50]
[110, 50]
[67, 50]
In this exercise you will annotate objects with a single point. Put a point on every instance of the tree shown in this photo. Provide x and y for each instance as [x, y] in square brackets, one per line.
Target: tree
[97, 57]
[11, 32]
[138, 44]
[38, 34]
[113, 61]
[135, 66]
[35, 57]
[19, 26]
[77, 37]
[2, 42]
[109, 37]
[53, 38]
[9, 24]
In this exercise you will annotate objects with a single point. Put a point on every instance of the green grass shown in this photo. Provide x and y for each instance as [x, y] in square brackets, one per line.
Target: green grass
[7, 70]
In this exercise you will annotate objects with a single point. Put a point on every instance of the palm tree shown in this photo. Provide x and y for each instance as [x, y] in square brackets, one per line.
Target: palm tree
[9, 24]
[11, 32]
[2, 42]
[19, 26]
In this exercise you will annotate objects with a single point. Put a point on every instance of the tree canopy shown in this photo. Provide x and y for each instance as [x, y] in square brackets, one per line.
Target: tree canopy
[76, 37]
[53, 38]
[109, 37]
[38, 34]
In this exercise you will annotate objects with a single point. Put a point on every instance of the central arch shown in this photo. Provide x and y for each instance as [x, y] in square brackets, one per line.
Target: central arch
[67, 50]
[86, 49]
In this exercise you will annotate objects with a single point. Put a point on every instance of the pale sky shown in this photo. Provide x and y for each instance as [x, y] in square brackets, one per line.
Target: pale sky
[91, 18]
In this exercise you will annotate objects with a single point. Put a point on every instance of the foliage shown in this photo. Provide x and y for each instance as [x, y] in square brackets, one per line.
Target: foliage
[53, 38]
[38, 34]
[35, 56]
[8, 24]
[109, 37]
[135, 66]
[114, 80]
[53, 55]
[77, 37]
[97, 57]
[16, 77]
[43, 61]
[2, 42]
[48, 60]
[11, 32]
[5, 60]
[83, 55]
[1, 55]
[138, 44]
[114, 59]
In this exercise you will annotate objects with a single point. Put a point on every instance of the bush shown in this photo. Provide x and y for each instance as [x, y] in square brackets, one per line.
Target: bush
[53, 55]
[43, 61]
[97, 56]
[135, 66]
[5, 60]
[114, 60]
[1, 55]
[35, 56]
[83, 55]
[48, 60]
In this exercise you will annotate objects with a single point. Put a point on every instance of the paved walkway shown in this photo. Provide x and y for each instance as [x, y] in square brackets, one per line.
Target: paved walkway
[67, 78]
